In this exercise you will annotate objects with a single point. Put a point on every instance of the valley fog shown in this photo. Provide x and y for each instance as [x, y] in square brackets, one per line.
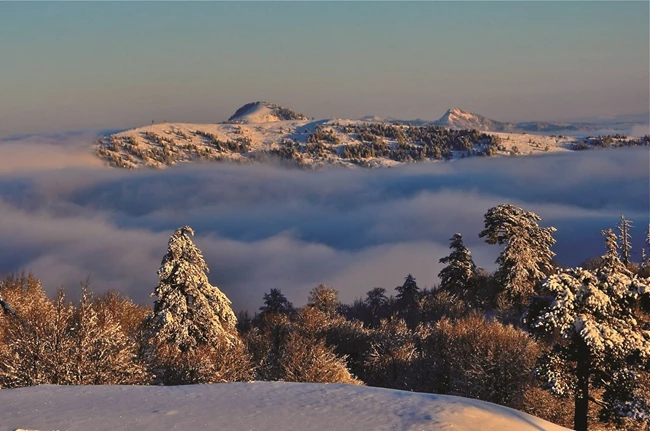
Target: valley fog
[263, 227]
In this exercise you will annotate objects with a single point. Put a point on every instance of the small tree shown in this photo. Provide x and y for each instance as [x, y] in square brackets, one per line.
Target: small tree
[324, 299]
[527, 256]
[276, 302]
[408, 290]
[603, 343]
[624, 227]
[457, 276]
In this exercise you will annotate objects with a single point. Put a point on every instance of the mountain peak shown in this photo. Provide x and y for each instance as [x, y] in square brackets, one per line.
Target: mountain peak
[264, 112]
[456, 118]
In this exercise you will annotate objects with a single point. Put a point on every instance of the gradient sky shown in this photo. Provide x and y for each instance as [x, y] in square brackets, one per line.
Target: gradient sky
[70, 65]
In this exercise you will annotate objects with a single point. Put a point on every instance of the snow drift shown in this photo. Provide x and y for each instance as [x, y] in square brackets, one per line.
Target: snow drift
[252, 406]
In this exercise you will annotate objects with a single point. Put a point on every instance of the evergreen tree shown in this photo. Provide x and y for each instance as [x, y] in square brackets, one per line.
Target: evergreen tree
[408, 290]
[603, 342]
[624, 227]
[189, 311]
[460, 270]
[276, 302]
[192, 329]
[527, 256]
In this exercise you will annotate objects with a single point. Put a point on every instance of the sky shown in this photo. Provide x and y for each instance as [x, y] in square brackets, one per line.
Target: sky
[86, 65]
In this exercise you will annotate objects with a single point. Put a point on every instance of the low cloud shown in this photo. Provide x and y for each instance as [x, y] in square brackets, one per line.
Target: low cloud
[64, 216]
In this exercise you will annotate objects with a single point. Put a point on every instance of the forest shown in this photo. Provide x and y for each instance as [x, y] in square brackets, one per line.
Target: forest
[570, 345]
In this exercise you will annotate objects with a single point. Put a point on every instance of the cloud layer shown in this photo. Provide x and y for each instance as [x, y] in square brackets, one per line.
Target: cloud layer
[63, 217]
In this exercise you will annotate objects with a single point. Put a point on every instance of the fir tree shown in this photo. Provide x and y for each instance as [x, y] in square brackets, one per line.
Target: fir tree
[460, 270]
[408, 290]
[276, 302]
[624, 227]
[192, 329]
[189, 311]
[603, 343]
[527, 256]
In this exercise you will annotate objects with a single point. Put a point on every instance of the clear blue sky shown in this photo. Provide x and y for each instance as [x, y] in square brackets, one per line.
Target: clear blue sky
[101, 65]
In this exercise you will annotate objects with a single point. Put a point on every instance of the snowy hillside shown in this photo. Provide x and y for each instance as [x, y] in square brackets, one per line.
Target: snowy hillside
[262, 131]
[252, 406]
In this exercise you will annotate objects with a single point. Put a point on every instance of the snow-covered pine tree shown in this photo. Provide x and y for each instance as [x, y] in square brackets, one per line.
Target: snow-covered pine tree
[189, 311]
[624, 227]
[457, 276]
[192, 323]
[603, 343]
[527, 256]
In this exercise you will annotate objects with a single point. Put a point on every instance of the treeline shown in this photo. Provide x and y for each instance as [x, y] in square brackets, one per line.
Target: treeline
[532, 335]
[611, 141]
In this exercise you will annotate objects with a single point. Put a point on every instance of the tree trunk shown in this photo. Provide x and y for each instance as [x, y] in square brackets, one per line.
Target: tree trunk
[582, 388]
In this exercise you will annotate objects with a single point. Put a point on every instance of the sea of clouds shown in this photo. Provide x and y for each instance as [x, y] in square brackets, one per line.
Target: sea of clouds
[63, 216]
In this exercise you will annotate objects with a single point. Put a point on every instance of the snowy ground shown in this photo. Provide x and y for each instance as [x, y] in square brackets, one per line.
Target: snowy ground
[251, 406]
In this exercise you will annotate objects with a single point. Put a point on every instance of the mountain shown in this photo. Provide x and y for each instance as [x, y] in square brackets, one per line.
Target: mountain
[264, 112]
[262, 131]
[262, 406]
[459, 119]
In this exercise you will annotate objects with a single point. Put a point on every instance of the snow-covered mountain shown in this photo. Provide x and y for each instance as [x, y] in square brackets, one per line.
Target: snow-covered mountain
[459, 119]
[262, 131]
[261, 406]
[264, 112]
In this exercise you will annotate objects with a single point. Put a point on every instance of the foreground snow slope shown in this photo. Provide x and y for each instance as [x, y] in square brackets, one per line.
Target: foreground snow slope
[251, 406]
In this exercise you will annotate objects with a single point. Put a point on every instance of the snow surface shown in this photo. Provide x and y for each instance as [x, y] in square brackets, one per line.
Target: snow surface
[252, 406]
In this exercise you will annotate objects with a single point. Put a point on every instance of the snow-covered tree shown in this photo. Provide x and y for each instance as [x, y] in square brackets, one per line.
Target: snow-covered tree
[324, 299]
[460, 270]
[189, 311]
[645, 259]
[276, 302]
[624, 227]
[191, 319]
[100, 352]
[527, 256]
[603, 342]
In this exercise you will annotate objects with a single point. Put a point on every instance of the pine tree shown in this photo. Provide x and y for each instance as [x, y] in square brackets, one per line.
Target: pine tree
[189, 311]
[192, 324]
[460, 270]
[408, 290]
[624, 227]
[603, 343]
[276, 302]
[527, 257]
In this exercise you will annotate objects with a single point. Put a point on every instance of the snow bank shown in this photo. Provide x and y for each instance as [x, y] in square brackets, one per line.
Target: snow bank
[251, 406]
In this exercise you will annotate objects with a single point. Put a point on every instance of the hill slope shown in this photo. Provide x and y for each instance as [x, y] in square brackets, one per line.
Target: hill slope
[256, 406]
